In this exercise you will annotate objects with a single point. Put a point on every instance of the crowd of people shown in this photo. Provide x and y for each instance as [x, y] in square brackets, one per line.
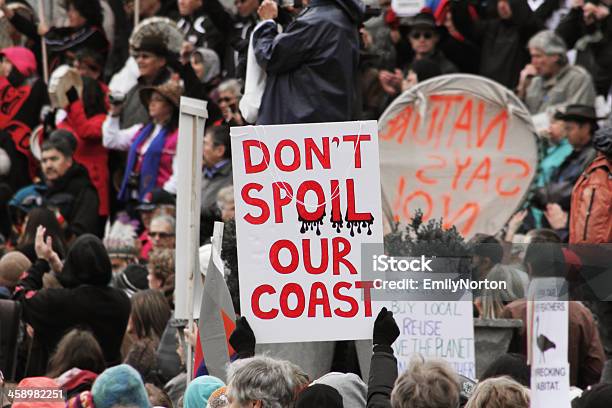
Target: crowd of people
[88, 183]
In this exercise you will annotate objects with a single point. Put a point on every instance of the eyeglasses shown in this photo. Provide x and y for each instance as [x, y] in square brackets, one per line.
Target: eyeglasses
[415, 35]
[160, 235]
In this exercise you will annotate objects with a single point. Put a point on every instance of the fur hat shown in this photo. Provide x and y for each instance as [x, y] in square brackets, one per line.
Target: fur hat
[169, 90]
[120, 241]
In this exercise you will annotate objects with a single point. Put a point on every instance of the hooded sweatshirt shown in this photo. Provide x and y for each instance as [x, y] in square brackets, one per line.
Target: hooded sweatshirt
[86, 300]
[350, 386]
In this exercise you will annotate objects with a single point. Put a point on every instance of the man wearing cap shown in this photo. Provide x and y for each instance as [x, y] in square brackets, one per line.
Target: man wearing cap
[549, 81]
[423, 37]
[555, 197]
[152, 60]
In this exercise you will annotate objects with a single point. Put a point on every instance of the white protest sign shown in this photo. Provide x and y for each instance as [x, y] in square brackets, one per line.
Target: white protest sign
[440, 329]
[548, 343]
[458, 147]
[307, 198]
[407, 8]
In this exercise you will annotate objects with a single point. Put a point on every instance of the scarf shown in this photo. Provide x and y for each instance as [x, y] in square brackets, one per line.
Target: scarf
[150, 162]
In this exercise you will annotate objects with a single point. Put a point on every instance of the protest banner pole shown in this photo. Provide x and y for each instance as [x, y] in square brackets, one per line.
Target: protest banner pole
[136, 12]
[193, 115]
[216, 307]
[43, 45]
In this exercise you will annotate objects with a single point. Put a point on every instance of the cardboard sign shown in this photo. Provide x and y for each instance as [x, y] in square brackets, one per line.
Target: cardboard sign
[407, 8]
[548, 331]
[441, 329]
[307, 197]
[459, 147]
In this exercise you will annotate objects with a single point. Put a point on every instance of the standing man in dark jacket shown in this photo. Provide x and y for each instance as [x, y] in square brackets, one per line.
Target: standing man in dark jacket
[86, 299]
[503, 40]
[313, 66]
[588, 29]
[70, 192]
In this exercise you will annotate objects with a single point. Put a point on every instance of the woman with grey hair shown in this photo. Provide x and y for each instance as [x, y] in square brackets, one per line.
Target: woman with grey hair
[492, 301]
[230, 93]
[261, 379]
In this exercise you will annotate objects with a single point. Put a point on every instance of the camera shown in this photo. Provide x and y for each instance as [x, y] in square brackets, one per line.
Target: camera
[289, 3]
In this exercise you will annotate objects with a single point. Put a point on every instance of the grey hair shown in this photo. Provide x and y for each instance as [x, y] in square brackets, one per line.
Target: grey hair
[231, 85]
[499, 392]
[168, 219]
[264, 379]
[226, 194]
[426, 384]
[550, 44]
[493, 300]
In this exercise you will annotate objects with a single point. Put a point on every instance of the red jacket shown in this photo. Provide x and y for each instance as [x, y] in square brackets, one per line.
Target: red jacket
[90, 152]
[591, 209]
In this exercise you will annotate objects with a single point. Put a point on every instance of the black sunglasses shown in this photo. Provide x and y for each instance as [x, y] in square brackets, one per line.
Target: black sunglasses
[428, 35]
[160, 234]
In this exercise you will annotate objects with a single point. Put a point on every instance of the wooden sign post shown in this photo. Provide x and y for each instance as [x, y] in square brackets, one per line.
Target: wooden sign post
[193, 116]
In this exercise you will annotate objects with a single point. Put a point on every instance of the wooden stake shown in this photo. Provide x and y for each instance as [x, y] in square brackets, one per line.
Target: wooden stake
[45, 62]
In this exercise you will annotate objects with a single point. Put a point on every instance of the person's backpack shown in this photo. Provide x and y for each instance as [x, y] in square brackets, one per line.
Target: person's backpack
[10, 317]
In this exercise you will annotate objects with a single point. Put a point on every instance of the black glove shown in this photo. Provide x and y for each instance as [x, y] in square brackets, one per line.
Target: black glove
[72, 95]
[386, 330]
[243, 339]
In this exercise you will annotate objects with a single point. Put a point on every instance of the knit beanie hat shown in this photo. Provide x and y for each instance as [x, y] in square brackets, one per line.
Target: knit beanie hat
[320, 396]
[133, 279]
[350, 386]
[120, 385]
[22, 59]
[81, 400]
[38, 383]
[199, 391]
[12, 265]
